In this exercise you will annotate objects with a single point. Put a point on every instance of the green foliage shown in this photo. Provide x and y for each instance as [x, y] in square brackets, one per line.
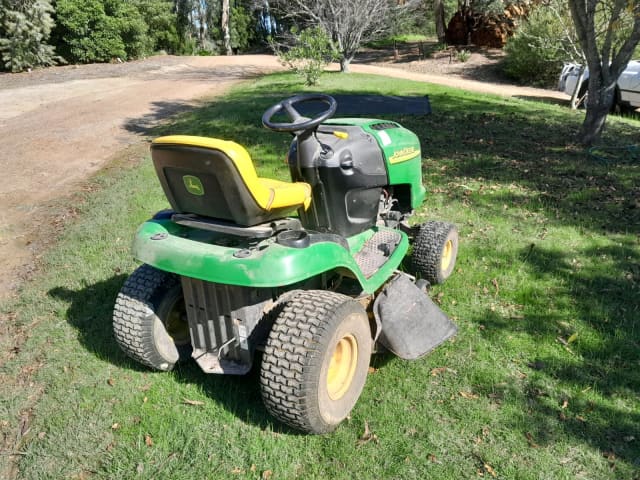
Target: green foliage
[86, 33]
[130, 26]
[309, 55]
[102, 30]
[463, 55]
[536, 53]
[162, 23]
[24, 30]
[242, 28]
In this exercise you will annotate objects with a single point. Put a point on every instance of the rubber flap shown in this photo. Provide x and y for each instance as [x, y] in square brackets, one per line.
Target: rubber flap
[412, 325]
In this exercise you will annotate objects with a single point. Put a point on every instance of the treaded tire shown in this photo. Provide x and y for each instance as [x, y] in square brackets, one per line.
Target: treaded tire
[147, 299]
[435, 249]
[310, 332]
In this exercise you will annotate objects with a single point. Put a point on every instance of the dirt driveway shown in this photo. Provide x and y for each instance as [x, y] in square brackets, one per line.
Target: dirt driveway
[60, 125]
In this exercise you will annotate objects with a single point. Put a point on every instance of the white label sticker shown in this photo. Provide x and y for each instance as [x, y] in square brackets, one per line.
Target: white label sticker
[386, 141]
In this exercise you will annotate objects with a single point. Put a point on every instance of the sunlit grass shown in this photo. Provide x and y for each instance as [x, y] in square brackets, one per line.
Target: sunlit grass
[541, 382]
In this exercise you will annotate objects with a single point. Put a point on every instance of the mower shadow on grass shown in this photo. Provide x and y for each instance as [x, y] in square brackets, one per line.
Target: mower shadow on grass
[90, 310]
[90, 313]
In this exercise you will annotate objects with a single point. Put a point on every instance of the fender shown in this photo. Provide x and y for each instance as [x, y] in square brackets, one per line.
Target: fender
[191, 252]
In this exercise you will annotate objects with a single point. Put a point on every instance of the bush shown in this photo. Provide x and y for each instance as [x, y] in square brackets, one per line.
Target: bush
[536, 53]
[162, 21]
[24, 31]
[100, 30]
[463, 55]
[311, 53]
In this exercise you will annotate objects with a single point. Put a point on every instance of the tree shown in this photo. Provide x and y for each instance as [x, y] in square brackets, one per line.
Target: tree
[608, 32]
[348, 23]
[541, 44]
[309, 55]
[439, 18]
[25, 27]
[226, 31]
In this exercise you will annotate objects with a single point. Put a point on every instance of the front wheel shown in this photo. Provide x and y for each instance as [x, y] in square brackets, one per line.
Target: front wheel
[316, 360]
[150, 321]
[435, 249]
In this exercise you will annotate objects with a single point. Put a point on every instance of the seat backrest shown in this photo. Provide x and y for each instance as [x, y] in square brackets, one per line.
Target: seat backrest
[199, 177]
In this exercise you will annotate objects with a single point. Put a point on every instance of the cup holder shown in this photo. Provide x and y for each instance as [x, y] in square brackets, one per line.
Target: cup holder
[294, 239]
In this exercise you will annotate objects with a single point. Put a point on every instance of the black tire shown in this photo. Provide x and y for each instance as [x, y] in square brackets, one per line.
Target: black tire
[620, 107]
[316, 360]
[149, 319]
[435, 249]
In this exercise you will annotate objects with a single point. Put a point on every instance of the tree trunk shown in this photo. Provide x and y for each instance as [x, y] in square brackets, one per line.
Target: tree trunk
[438, 14]
[344, 64]
[599, 105]
[225, 28]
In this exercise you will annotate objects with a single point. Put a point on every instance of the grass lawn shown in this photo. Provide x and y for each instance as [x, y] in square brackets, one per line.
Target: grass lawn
[541, 382]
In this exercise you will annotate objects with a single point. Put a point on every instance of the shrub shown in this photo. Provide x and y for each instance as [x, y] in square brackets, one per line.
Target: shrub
[536, 53]
[162, 23]
[310, 54]
[100, 30]
[463, 55]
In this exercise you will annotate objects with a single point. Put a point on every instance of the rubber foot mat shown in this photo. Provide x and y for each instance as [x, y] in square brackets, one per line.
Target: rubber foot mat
[376, 251]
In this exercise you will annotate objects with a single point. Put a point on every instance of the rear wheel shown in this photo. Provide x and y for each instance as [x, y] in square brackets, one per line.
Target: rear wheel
[435, 249]
[316, 360]
[149, 319]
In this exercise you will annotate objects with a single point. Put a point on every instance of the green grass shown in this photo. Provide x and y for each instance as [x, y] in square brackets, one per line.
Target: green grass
[401, 38]
[541, 381]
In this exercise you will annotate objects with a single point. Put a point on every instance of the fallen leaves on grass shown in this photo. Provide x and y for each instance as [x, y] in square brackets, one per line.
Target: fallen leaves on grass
[367, 436]
[489, 469]
[494, 282]
[267, 474]
[439, 370]
[148, 441]
[530, 441]
[195, 403]
[469, 395]
[111, 382]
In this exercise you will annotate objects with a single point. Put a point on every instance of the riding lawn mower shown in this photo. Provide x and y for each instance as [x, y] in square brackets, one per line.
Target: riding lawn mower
[308, 276]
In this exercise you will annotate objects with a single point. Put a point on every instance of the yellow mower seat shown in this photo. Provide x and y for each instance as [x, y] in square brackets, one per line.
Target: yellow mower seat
[216, 178]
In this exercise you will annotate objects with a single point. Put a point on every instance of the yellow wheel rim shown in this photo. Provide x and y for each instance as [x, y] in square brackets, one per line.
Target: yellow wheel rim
[342, 367]
[447, 256]
[176, 323]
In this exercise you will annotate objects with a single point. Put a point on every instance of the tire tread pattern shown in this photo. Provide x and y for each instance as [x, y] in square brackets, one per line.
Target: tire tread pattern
[291, 349]
[427, 250]
[133, 315]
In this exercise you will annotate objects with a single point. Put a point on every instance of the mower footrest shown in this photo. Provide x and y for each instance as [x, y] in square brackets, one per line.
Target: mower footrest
[376, 251]
[412, 325]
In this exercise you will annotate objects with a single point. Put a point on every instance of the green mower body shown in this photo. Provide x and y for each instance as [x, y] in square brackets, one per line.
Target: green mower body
[308, 272]
[194, 252]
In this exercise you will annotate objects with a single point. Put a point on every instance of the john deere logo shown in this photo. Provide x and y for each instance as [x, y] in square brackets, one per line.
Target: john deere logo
[403, 155]
[193, 185]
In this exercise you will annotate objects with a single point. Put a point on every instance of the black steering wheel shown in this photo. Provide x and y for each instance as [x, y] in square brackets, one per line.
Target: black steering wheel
[299, 122]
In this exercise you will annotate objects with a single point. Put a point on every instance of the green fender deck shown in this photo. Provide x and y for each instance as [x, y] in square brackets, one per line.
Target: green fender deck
[210, 256]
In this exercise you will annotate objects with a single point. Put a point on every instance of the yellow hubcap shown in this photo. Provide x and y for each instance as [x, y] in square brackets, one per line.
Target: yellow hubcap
[342, 367]
[447, 255]
[176, 323]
